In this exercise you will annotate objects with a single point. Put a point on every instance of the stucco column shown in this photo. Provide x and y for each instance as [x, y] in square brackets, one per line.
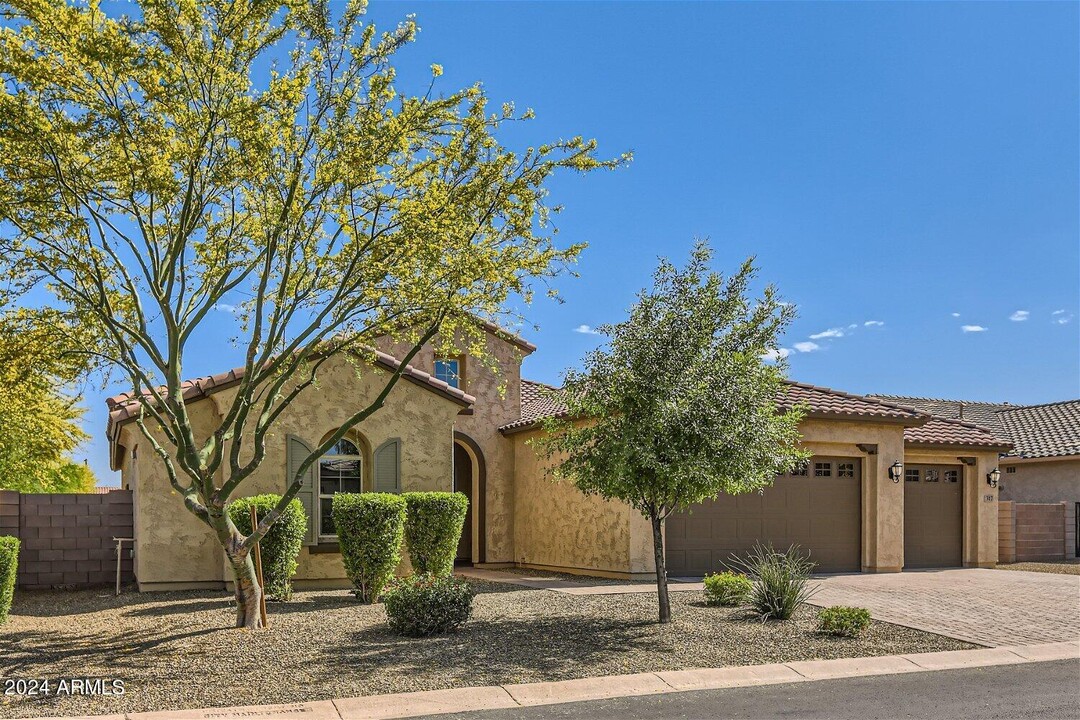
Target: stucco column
[883, 509]
[980, 513]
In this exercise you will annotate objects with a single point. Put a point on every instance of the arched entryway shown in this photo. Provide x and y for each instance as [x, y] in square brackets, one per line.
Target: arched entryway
[470, 480]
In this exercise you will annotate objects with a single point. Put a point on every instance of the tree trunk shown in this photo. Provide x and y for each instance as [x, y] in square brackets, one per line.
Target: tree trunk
[661, 570]
[245, 581]
[248, 592]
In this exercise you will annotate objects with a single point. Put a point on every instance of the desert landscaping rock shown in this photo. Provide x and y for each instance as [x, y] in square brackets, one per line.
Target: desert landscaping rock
[1061, 567]
[176, 650]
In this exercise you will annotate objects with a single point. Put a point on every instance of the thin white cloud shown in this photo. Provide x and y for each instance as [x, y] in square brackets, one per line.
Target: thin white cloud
[1061, 316]
[830, 333]
[805, 347]
[852, 326]
[585, 330]
[777, 354]
[874, 323]
[226, 308]
[956, 314]
[1019, 316]
[973, 328]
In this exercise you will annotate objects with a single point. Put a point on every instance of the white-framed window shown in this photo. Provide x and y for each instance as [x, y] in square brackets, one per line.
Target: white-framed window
[449, 370]
[340, 470]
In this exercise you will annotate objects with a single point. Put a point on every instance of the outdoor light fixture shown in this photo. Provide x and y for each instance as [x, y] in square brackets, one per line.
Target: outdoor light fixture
[896, 471]
[992, 477]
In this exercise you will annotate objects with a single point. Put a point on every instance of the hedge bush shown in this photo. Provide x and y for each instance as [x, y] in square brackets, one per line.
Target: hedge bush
[780, 580]
[433, 528]
[843, 621]
[281, 544]
[727, 588]
[370, 527]
[427, 604]
[9, 564]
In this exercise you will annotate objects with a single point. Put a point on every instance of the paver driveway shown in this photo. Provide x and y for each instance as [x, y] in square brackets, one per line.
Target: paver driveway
[987, 607]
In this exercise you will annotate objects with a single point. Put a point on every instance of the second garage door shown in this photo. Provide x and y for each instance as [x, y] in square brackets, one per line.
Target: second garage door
[933, 520]
[819, 510]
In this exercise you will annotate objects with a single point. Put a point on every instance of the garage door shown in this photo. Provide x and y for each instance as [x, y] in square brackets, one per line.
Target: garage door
[933, 520]
[818, 510]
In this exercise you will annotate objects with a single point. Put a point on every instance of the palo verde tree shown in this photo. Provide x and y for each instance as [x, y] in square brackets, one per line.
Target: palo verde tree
[39, 410]
[680, 405]
[255, 153]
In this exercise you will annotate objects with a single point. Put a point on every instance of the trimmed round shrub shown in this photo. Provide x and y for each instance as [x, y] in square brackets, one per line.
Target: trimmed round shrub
[843, 621]
[433, 528]
[281, 544]
[780, 580]
[727, 588]
[9, 564]
[370, 527]
[427, 604]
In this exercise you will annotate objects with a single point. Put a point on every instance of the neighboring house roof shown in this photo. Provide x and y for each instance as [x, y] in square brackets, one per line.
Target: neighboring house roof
[943, 431]
[505, 334]
[980, 413]
[1042, 431]
[821, 402]
[1035, 431]
[124, 407]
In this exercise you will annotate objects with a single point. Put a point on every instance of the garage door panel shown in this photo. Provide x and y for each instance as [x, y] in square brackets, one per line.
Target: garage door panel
[820, 514]
[933, 517]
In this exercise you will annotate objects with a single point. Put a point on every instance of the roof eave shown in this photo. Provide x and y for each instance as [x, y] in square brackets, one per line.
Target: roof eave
[919, 445]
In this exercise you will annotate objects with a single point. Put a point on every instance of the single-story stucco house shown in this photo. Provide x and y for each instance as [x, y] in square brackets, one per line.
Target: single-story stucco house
[891, 485]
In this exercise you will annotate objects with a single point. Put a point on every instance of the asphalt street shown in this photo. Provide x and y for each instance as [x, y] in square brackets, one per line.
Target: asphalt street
[1031, 690]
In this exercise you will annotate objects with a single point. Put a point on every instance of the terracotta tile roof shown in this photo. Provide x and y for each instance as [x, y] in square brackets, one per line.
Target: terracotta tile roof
[1041, 431]
[822, 402]
[980, 413]
[1035, 431]
[943, 431]
[124, 406]
[826, 402]
[535, 405]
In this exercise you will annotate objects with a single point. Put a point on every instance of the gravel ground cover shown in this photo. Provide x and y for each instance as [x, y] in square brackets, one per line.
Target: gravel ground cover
[176, 650]
[1061, 567]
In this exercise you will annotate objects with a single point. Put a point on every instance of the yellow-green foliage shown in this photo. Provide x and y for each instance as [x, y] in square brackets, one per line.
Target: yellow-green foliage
[9, 563]
[727, 588]
[843, 621]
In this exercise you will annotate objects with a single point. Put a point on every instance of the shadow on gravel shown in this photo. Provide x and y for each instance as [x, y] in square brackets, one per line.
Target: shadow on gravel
[496, 647]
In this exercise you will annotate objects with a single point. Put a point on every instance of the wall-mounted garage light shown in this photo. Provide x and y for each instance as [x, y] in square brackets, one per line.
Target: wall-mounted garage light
[896, 471]
[992, 477]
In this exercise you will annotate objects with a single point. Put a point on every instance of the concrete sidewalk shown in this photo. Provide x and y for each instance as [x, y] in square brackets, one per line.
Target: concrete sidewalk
[457, 700]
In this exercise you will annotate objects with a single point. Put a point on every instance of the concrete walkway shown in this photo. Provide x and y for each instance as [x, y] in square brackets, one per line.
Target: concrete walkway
[986, 607]
[458, 700]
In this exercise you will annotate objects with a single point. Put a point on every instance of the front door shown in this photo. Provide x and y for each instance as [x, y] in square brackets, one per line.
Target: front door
[463, 483]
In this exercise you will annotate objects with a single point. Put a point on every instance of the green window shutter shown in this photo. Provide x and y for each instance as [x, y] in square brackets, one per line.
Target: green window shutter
[296, 452]
[388, 467]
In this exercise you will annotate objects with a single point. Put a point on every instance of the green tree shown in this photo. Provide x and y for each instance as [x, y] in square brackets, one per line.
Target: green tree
[39, 419]
[680, 405]
[256, 154]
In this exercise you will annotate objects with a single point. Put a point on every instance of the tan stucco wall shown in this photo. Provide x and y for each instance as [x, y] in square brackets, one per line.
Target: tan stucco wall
[174, 547]
[498, 402]
[1041, 481]
[556, 525]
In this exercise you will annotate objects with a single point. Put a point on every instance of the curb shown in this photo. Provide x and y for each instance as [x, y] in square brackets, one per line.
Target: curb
[456, 700]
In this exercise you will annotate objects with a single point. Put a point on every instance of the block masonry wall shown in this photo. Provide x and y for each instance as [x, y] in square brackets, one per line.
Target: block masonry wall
[1031, 532]
[67, 539]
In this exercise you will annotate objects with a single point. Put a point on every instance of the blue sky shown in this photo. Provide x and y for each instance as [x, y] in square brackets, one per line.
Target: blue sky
[910, 164]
